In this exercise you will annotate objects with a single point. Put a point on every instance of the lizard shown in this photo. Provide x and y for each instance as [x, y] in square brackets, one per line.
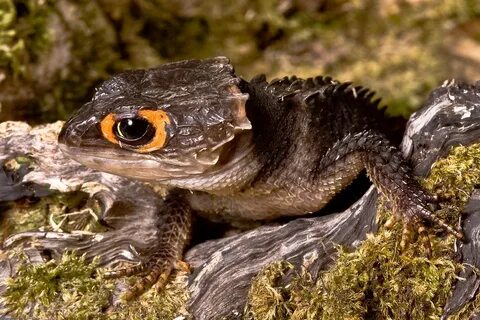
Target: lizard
[234, 150]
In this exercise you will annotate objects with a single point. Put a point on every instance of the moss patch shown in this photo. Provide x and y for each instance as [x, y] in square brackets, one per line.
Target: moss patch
[167, 303]
[377, 280]
[454, 178]
[57, 290]
[74, 289]
[267, 298]
[57, 212]
[24, 35]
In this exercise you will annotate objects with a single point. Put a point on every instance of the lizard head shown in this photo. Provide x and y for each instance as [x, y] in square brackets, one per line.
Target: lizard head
[173, 121]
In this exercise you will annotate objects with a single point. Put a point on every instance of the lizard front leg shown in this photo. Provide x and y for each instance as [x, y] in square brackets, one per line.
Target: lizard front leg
[174, 234]
[393, 177]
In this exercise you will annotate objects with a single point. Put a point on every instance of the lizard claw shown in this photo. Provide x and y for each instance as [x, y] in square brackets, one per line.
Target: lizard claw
[160, 260]
[158, 273]
[155, 271]
[124, 272]
[414, 209]
[422, 207]
[412, 228]
[183, 266]
[424, 237]
[452, 230]
[391, 221]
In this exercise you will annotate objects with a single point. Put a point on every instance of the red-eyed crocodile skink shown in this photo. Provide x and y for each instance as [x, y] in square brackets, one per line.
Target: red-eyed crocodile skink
[235, 150]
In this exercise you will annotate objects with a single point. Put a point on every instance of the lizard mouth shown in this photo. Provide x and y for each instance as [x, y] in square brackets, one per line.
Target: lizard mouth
[138, 166]
[98, 155]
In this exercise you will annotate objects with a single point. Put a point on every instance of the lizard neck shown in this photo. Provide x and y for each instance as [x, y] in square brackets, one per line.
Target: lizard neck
[264, 113]
[280, 129]
[237, 166]
[252, 155]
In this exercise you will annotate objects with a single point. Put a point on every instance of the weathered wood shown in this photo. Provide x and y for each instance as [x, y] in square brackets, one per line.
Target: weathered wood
[467, 289]
[223, 268]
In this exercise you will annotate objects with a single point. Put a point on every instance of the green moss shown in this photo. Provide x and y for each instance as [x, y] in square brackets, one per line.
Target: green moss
[377, 280]
[167, 303]
[58, 212]
[402, 49]
[57, 290]
[24, 35]
[454, 178]
[267, 299]
[74, 289]
[93, 55]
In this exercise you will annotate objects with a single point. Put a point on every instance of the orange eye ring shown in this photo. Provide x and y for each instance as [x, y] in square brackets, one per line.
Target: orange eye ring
[106, 126]
[156, 118]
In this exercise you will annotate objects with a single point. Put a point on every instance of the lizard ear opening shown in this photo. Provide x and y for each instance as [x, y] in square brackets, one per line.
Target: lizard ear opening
[241, 121]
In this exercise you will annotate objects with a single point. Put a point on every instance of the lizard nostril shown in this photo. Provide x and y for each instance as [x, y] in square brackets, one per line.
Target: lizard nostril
[77, 132]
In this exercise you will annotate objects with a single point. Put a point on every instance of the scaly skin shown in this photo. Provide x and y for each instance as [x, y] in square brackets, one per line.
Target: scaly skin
[238, 151]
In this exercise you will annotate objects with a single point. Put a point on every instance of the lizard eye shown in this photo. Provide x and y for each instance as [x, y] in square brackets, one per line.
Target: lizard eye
[144, 132]
[134, 131]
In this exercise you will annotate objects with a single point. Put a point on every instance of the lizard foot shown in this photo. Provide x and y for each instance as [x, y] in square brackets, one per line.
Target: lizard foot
[422, 207]
[408, 232]
[154, 272]
[159, 261]
[416, 209]
[158, 273]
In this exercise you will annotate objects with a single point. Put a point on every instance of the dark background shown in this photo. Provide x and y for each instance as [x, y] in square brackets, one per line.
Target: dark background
[54, 53]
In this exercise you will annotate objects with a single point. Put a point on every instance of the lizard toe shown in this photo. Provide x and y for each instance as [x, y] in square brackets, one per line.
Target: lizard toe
[124, 271]
[425, 210]
[391, 222]
[156, 273]
[423, 237]
[410, 230]
[417, 208]
[407, 236]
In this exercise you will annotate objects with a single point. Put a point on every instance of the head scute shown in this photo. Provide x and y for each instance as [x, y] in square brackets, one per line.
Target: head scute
[201, 94]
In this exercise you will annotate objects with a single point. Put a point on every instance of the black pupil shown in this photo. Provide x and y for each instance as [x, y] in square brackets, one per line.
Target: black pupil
[134, 130]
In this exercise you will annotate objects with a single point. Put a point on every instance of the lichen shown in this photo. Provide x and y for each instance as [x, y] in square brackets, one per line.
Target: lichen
[377, 280]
